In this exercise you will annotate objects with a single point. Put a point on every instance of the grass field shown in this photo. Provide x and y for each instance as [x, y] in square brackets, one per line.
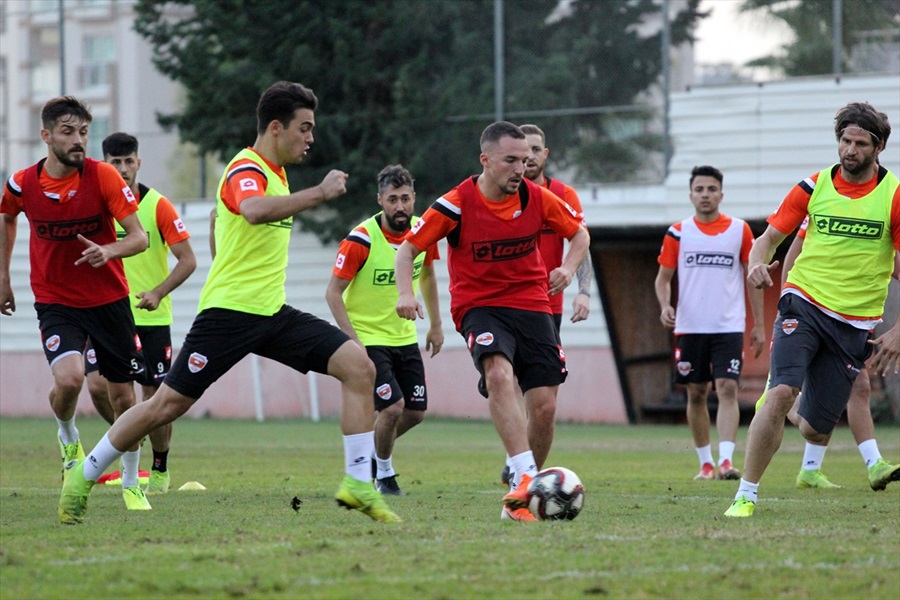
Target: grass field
[647, 530]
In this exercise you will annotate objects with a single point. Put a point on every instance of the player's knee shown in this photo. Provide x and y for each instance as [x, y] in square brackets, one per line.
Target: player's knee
[542, 407]
[862, 389]
[68, 383]
[414, 417]
[811, 435]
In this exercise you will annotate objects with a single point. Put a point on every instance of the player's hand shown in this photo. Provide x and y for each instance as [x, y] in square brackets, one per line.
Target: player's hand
[334, 184]
[667, 317]
[581, 307]
[888, 353]
[757, 340]
[434, 339]
[95, 254]
[409, 308]
[7, 300]
[149, 300]
[560, 278]
[759, 276]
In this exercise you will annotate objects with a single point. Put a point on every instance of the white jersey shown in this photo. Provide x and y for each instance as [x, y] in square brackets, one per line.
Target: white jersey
[710, 280]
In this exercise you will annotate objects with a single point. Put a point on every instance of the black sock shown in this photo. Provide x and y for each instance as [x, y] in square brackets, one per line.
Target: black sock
[159, 461]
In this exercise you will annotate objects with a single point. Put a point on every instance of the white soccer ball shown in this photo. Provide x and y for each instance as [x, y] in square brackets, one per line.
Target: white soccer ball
[556, 495]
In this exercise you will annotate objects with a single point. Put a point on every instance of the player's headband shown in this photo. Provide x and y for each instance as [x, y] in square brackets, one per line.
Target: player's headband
[856, 128]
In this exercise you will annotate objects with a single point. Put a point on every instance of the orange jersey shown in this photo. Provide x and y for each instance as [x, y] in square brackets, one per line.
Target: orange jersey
[245, 180]
[668, 255]
[355, 251]
[793, 209]
[170, 225]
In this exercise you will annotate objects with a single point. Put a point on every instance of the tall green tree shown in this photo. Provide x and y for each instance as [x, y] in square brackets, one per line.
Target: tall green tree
[812, 23]
[408, 81]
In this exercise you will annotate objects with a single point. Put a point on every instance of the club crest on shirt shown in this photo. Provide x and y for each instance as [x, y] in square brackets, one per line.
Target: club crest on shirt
[788, 326]
[196, 362]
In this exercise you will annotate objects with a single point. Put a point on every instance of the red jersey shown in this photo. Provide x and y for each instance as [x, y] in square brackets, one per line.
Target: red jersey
[551, 243]
[85, 203]
[493, 259]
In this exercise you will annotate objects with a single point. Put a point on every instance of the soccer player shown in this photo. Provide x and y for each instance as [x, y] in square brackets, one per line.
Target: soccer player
[79, 286]
[499, 294]
[242, 308]
[859, 414]
[362, 296]
[709, 251]
[551, 243]
[834, 293]
[151, 282]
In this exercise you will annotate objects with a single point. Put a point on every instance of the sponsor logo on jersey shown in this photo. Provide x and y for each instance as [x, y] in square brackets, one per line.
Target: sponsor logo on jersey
[339, 263]
[485, 339]
[179, 226]
[386, 276]
[470, 342]
[384, 391]
[59, 231]
[129, 195]
[709, 259]
[52, 343]
[562, 353]
[137, 342]
[788, 326]
[848, 227]
[196, 362]
[684, 368]
[168, 352]
[418, 225]
[249, 184]
[92, 356]
[503, 249]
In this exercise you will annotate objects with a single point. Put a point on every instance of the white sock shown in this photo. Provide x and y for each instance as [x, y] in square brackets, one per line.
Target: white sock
[103, 455]
[869, 451]
[523, 464]
[747, 490]
[358, 451]
[509, 462]
[813, 456]
[68, 433]
[385, 466]
[726, 452]
[130, 462]
[705, 455]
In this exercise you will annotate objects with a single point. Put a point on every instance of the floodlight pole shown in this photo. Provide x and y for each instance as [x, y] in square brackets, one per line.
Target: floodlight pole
[62, 49]
[837, 36]
[665, 43]
[498, 60]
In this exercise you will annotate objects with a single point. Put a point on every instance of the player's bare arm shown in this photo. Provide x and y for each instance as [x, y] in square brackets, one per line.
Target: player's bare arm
[407, 305]
[561, 277]
[270, 209]
[134, 242]
[663, 287]
[7, 239]
[581, 303]
[758, 267]
[434, 339]
[758, 331]
[185, 265]
[334, 296]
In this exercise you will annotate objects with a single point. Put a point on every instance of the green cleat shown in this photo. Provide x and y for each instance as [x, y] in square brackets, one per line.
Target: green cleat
[69, 452]
[159, 482]
[363, 496]
[882, 473]
[815, 479]
[135, 498]
[75, 491]
[741, 507]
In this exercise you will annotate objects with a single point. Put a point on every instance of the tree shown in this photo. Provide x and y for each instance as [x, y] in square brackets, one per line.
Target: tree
[390, 74]
[812, 22]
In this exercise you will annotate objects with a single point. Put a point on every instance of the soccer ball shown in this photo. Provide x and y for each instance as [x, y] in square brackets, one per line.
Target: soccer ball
[556, 495]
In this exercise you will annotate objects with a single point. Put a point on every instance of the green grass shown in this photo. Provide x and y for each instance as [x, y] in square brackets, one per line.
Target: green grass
[647, 530]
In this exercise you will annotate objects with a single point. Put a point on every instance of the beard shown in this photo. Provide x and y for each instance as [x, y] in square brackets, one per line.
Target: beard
[394, 225]
[67, 159]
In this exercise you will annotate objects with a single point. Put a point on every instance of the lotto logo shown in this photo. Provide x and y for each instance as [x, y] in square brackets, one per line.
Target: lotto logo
[137, 343]
[179, 226]
[684, 368]
[848, 227]
[709, 259]
[470, 342]
[52, 343]
[384, 391]
[196, 362]
[128, 194]
[339, 263]
[248, 184]
[418, 225]
[485, 339]
[67, 230]
[503, 249]
[562, 354]
[788, 326]
[168, 352]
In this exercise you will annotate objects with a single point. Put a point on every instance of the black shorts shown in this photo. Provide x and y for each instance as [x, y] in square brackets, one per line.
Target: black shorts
[156, 346]
[557, 321]
[812, 347]
[219, 338]
[526, 338]
[65, 330]
[702, 357]
[400, 373]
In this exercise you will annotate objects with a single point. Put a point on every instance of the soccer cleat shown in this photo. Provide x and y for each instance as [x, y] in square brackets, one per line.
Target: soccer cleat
[115, 478]
[707, 471]
[159, 482]
[741, 507]
[69, 452]
[507, 475]
[135, 498]
[362, 496]
[727, 471]
[882, 473]
[388, 486]
[519, 497]
[518, 514]
[75, 491]
[374, 469]
[815, 479]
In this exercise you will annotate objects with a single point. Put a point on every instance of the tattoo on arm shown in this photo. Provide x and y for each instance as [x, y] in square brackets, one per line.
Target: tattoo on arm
[583, 274]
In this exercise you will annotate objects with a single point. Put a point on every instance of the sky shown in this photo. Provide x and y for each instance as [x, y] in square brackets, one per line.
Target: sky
[729, 36]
